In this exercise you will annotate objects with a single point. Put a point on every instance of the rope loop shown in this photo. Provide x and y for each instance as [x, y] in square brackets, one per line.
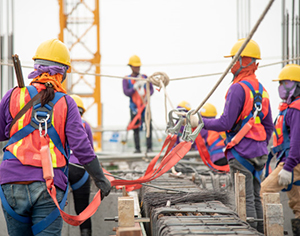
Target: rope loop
[158, 79]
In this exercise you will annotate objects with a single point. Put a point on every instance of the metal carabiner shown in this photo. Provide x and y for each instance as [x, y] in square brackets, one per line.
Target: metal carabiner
[257, 109]
[40, 124]
[171, 126]
[187, 134]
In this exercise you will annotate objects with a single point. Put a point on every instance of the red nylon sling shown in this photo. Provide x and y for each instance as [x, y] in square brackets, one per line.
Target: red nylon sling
[167, 162]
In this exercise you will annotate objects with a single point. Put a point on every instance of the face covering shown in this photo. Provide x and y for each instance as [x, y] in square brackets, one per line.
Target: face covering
[286, 90]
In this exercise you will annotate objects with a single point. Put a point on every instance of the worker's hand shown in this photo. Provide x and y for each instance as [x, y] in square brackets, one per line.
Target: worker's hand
[138, 84]
[104, 186]
[96, 172]
[194, 120]
[285, 177]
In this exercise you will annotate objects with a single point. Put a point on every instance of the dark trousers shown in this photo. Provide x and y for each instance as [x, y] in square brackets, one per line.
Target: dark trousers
[136, 134]
[81, 196]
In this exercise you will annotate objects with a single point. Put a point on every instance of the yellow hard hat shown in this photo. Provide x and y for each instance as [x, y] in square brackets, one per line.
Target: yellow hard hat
[78, 101]
[251, 49]
[289, 72]
[134, 61]
[208, 110]
[54, 50]
[184, 105]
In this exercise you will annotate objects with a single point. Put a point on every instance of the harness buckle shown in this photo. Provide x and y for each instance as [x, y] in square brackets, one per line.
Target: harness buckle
[187, 134]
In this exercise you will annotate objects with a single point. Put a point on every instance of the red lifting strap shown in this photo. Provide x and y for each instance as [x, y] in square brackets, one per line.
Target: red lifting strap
[240, 135]
[205, 156]
[137, 100]
[152, 172]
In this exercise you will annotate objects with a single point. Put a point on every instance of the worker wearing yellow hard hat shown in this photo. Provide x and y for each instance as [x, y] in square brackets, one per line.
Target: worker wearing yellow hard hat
[246, 101]
[44, 125]
[286, 143]
[136, 91]
[78, 177]
[214, 140]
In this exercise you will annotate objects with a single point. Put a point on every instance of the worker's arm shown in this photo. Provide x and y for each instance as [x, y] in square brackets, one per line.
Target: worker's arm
[5, 116]
[82, 147]
[233, 107]
[293, 121]
[127, 91]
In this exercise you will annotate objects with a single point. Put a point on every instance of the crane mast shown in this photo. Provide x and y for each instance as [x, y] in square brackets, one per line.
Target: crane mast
[80, 31]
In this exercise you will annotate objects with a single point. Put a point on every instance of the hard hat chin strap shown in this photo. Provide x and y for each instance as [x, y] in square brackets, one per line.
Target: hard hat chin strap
[242, 67]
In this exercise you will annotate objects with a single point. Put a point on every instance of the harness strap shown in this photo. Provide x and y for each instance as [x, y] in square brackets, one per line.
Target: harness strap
[80, 182]
[204, 154]
[247, 165]
[34, 95]
[43, 224]
[11, 212]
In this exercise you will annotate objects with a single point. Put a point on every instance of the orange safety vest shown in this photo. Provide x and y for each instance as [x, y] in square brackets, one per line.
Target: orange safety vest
[213, 136]
[281, 133]
[27, 149]
[252, 87]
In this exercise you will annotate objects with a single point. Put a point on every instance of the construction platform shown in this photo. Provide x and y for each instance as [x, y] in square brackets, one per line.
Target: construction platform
[197, 202]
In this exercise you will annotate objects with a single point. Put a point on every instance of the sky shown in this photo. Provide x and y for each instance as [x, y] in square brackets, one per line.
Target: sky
[179, 37]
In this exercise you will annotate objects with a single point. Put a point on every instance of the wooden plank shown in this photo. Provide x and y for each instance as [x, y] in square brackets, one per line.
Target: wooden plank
[240, 195]
[269, 198]
[125, 212]
[274, 220]
[129, 231]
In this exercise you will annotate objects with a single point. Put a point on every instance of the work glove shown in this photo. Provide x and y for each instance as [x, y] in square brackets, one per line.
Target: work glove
[138, 84]
[96, 172]
[285, 177]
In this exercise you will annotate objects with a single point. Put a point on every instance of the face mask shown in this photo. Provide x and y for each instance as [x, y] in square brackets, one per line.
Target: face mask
[286, 89]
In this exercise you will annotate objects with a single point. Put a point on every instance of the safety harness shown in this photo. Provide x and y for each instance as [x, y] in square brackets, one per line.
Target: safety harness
[243, 127]
[284, 147]
[41, 120]
[136, 103]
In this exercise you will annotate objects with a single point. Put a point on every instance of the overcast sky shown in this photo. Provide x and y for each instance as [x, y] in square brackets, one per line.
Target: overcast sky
[179, 37]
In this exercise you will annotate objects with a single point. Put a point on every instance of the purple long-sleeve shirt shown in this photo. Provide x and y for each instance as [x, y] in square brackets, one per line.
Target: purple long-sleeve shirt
[247, 148]
[12, 170]
[129, 90]
[292, 120]
[73, 158]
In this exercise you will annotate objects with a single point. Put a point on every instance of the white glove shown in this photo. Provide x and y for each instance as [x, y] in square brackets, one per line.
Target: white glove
[138, 84]
[194, 121]
[285, 177]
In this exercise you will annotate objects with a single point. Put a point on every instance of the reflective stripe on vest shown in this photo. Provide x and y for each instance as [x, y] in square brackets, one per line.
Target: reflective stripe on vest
[24, 141]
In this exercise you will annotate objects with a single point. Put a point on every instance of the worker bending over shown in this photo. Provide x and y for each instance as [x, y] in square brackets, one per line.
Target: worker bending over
[286, 143]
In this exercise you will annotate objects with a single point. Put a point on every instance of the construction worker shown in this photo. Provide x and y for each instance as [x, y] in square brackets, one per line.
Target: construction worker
[286, 143]
[136, 90]
[33, 119]
[214, 140]
[246, 100]
[79, 178]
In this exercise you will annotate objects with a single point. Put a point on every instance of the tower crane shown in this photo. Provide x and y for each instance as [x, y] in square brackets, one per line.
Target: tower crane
[80, 31]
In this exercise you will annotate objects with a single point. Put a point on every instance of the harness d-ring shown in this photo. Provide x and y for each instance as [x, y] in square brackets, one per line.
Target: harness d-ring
[40, 123]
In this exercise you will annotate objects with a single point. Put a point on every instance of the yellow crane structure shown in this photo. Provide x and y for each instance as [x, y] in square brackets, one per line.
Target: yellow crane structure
[80, 31]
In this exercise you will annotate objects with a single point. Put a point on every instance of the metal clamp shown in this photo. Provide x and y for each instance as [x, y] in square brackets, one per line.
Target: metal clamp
[173, 128]
[187, 134]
